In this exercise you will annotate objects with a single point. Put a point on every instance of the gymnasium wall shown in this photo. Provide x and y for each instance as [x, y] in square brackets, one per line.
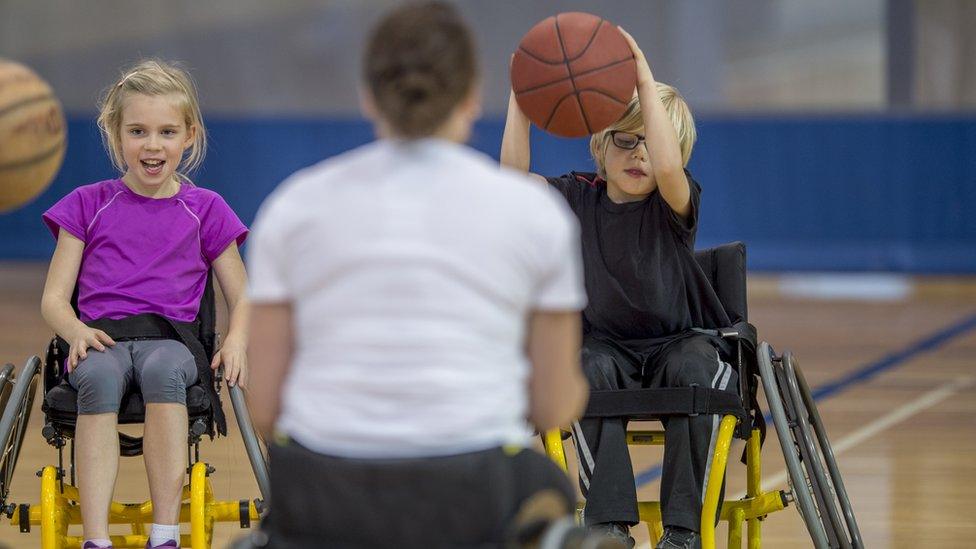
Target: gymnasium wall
[834, 135]
[841, 192]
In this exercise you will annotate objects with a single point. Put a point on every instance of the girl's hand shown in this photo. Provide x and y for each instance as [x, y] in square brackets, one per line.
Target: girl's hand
[233, 355]
[644, 75]
[84, 339]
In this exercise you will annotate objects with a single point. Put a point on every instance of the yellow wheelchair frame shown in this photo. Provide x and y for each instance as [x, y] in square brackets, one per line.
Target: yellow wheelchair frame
[58, 510]
[59, 507]
[815, 481]
[752, 509]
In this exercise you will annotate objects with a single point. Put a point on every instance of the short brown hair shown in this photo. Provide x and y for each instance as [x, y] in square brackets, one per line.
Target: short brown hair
[633, 122]
[419, 65]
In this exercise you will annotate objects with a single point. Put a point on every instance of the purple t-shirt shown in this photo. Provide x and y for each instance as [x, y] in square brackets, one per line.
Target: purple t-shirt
[144, 255]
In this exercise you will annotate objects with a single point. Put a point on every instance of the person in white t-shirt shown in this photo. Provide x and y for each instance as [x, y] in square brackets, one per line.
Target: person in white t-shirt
[415, 313]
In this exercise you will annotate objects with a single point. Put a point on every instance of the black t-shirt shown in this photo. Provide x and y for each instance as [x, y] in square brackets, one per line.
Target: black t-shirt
[642, 280]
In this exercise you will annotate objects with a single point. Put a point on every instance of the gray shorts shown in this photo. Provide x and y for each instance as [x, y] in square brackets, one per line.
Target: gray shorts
[161, 368]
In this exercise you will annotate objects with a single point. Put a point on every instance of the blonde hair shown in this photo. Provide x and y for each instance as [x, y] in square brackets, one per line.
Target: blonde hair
[153, 77]
[633, 122]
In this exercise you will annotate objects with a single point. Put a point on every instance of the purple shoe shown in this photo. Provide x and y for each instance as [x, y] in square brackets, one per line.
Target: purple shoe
[93, 545]
[171, 544]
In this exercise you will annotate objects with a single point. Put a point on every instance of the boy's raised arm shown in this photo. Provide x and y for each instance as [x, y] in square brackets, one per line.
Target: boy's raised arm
[516, 152]
[516, 149]
[663, 148]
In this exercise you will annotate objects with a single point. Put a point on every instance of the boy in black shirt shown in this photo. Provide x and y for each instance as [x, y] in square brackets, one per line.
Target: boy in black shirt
[639, 216]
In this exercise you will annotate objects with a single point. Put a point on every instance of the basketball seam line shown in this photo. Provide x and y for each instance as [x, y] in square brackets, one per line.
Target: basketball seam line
[37, 158]
[556, 107]
[572, 79]
[588, 42]
[565, 57]
[584, 73]
[569, 69]
[560, 102]
[593, 90]
[603, 93]
[24, 102]
[539, 59]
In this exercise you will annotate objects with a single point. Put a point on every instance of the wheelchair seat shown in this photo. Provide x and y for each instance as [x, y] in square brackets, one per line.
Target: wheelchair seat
[61, 404]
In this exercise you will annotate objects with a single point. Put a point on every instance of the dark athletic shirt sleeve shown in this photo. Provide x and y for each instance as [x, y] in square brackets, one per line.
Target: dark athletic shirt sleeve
[572, 186]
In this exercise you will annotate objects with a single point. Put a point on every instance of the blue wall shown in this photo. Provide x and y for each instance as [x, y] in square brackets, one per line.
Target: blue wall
[805, 193]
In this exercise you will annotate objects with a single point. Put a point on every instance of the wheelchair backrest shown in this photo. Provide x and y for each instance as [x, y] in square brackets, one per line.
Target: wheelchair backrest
[725, 267]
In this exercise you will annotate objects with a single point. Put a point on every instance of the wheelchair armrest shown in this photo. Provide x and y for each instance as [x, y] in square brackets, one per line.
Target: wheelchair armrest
[728, 333]
[724, 333]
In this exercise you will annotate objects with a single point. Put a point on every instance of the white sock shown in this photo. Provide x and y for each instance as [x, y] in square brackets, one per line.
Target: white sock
[161, 533]
[99, 542]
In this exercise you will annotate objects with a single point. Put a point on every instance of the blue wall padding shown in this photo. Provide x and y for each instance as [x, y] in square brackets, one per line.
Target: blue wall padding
[852, 193]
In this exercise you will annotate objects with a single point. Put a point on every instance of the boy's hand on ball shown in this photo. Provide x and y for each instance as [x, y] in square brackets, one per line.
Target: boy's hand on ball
[644, 75]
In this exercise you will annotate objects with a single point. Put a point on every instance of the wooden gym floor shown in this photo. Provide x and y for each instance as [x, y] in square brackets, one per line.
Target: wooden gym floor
[897, 375]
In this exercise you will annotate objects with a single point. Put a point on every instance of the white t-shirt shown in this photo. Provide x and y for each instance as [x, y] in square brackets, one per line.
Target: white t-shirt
[411, 268]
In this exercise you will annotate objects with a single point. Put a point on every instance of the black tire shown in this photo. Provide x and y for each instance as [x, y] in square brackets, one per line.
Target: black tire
[16, 416]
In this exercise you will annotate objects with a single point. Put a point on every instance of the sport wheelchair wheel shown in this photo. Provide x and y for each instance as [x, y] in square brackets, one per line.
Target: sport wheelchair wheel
[818, 453]
[819, 491]
[17, 397]
[6, 374]
[252, 442]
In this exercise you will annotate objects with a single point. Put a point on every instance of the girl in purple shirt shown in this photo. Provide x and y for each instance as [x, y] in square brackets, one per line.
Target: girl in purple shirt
[143, 243]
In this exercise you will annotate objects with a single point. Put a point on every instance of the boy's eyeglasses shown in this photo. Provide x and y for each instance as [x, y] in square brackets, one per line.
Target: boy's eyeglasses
[627, 141]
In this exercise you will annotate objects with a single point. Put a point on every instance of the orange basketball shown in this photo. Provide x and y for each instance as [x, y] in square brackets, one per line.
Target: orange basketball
[32, 135]
[573, 74]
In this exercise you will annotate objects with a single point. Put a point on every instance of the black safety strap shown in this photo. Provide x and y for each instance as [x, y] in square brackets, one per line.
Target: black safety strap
[668, 401]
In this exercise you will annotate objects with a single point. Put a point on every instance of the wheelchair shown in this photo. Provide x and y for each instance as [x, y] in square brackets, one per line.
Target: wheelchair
[59, 507]
[815, 482]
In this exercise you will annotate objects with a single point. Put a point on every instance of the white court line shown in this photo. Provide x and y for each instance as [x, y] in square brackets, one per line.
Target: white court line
[894, 417]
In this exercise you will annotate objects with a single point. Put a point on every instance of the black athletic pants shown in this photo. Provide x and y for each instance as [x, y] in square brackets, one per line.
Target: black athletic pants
[606, 473]
[468, 500]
